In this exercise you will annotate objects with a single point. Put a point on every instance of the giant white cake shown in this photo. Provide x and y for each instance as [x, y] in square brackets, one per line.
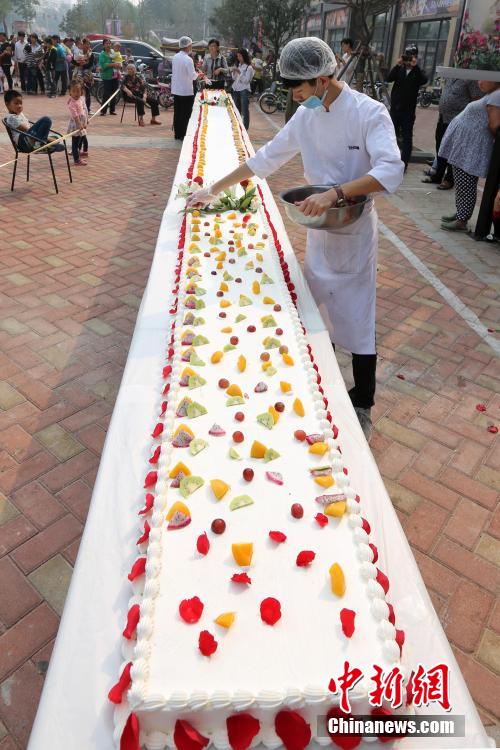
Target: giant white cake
[200, 646]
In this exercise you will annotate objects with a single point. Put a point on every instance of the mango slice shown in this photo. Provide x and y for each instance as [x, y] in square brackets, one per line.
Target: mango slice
[319, 449]
[234, 390]
[256, 287]
[275, 414]
[337, 580]
[226, 619]
[179, 467]
[219, 488]
[216, 357]
[298, 407]
[242, 363]
[285, 387]
[336, 510]
[258, 450]
[325, 482]
[287, 359]
[242, 553]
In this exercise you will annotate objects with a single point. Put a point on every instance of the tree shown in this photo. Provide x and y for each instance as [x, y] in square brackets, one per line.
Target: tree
[281, 21]
[234, 20]
[76, 21]
[5, 9]
[26, 9]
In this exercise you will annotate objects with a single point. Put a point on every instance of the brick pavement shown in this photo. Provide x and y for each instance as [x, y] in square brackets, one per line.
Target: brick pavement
[72, 272]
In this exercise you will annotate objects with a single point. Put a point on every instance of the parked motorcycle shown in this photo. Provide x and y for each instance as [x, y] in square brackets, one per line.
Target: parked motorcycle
[426, 96]
[273, 99]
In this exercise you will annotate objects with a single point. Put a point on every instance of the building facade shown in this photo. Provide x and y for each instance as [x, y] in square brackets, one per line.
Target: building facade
[430, 25]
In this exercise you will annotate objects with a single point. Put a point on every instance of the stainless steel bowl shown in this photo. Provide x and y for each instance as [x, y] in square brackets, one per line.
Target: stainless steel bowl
[333, 218]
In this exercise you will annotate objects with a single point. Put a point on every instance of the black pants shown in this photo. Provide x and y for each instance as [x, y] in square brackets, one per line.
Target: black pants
[139, 103]
[84, 144]
[22, 75]
[183, 106]
[75, 147]
[257, 85]
[63, 76]
[364, 367]
[40, 81]
[109, 87]
[403, 122]
[443, 170]
[8, 75]
[86, 90]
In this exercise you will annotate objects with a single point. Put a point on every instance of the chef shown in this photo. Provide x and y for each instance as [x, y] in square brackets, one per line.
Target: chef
[346, 140]
[183, 76]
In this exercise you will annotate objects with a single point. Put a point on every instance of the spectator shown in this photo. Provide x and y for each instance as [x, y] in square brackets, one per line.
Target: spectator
[134, 90]
[456, 95]
[6, 57]
[408, 78]
[258, 73]
[215, 66]
[38, 53]
[30, 69]
[117, 58]
[467, 145]
[242, 75]
[110, 84]
[60, 65]
[50, 58]
[346, 45]
[84, 66]
[19, 58]
[129, 57]
[17, 119]
[77, 121]
[183, 76]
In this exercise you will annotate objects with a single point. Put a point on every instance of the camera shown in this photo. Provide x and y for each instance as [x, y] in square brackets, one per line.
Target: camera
[406, 58]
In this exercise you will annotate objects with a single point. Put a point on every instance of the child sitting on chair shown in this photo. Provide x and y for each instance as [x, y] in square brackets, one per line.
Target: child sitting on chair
[17, 119]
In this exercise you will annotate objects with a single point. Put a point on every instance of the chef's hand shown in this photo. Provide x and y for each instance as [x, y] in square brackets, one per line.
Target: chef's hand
[318, 203]
[201, 198]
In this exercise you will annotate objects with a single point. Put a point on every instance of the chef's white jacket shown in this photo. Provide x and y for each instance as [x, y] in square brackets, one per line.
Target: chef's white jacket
[183, 74]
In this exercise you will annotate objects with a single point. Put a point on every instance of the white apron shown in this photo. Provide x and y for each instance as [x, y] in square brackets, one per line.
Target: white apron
[354, 138]
[341, 270]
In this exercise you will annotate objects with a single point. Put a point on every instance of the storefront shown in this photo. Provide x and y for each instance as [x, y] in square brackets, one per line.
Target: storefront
[336, 24]
[429, 25]
[313, 25]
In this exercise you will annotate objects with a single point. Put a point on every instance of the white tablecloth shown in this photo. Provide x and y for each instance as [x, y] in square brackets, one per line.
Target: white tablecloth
[74, 713]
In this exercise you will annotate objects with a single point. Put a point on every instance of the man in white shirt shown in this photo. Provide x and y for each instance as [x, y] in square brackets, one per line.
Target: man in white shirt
[19, 58]
[183, 75]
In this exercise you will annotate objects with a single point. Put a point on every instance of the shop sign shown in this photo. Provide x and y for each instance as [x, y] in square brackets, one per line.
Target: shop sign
[337, 19]
[414, 8]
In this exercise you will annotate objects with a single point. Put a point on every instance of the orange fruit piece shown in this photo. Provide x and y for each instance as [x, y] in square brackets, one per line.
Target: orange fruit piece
[287, 359]
[226, 619]
[234, 390]
[216, 357]
[285, 387]
[319, 449]
[225, 303]
[325, 482]
[258, 450]
[298, 407]
[275, 415]
[336, 510]
[177, 468]
[242, 363]
[242, 553]
[337, 579]
[219, 488]
[256, 287]
[268, 301]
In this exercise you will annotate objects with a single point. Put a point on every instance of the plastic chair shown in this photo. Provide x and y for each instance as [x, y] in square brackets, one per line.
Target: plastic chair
[10, 130]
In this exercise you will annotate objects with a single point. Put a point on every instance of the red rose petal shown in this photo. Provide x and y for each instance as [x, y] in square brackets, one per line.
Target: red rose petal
[480, 407]
[138, 569]
[305, 558]
[191, 609]
[145, 535]
[383, 580]
[292, 729]
[365, 526]
[347, 617]
[321, 519]
[241, 578]
[157, 430]
[493, 429]
[150, 479]
[130, 735]
[375, 552]
[202, 543]
[277, 536]
[241, 729]
[187, 738]
[133, 616]
[391, 617]
[345, 741]
[167, 370]
[156, 455]
[270, 610]
[115, 695]
[400, 639]
[149, 504]
[207, 643]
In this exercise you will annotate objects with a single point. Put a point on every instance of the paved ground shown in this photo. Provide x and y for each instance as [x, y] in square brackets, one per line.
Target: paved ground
[72, 272]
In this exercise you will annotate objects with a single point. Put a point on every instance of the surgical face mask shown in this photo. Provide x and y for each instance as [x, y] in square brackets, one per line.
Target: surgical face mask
[313, 102]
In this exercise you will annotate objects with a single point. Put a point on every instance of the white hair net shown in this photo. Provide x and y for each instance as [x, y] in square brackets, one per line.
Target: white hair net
[305, 58]
[184, 42]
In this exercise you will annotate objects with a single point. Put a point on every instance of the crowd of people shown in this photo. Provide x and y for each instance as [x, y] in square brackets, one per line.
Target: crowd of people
[469, 111]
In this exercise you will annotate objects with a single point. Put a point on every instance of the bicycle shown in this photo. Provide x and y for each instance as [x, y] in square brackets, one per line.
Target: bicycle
[273, 99]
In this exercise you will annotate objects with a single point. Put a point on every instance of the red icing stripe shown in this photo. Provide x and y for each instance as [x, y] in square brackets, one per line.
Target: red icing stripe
[115, 695]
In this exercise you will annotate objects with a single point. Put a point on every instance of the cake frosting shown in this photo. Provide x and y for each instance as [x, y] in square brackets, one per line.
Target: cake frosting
[233, 315]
